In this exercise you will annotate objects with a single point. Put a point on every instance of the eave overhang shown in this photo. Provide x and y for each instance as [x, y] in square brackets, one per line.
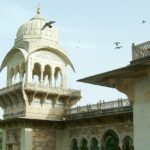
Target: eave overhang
[134, 70]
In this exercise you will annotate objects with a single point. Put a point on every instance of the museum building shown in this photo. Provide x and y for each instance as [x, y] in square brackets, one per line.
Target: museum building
[37, 103]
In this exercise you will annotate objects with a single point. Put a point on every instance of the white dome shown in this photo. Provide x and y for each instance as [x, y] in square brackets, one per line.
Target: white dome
[33, 28]
[31, 31]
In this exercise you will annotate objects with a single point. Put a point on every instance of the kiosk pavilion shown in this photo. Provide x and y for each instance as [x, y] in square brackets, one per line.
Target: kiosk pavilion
[37, 102]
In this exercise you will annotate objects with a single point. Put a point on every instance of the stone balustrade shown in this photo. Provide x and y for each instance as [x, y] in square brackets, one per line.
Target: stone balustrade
[99, 108]
[141, 50]
[40, 87]
[51, 89]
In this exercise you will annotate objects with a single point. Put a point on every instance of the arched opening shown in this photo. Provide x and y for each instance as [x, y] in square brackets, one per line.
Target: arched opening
[110, 141]
[36, 73]
[17, 74]
[47, 75]
[22, 71]
[94, 144]
[58, 77]
[84, 144]
[74, 145]
[128, 143]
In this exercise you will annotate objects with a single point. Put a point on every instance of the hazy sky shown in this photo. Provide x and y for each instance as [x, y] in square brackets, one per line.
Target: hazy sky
[87, 30]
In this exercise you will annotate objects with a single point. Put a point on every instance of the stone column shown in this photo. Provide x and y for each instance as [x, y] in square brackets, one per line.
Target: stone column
[138, 92]
[4, 140]
[29, 68]
[52, 80]
[41, 77]
[21, 76]
[26, 139]
[9, 79]
[141, 114]
[64, 78]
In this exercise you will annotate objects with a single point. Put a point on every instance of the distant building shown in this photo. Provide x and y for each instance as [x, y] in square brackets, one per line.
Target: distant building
[37, 102]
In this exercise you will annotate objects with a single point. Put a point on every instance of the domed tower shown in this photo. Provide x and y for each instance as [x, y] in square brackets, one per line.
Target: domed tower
[36, 74]
[36, 98]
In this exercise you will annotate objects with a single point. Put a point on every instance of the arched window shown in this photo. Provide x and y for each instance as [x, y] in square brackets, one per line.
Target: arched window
[58, 77]
[94, 144]
[36, 73]
[110, 141]
[74, 145]
[84, 144]
[22, 71]
[127, 143]
[47, 75]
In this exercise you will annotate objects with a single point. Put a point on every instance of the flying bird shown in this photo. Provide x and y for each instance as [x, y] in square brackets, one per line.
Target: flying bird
[117, 43]
[143, 21]
[118, 47]
[48, 24]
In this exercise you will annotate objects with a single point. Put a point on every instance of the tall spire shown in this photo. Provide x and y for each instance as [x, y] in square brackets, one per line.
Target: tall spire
[38, 9]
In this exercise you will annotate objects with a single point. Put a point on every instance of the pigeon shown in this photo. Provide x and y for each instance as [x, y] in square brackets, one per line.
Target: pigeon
[118, 47]
[143, 21]
[117, 43]
[48, 24]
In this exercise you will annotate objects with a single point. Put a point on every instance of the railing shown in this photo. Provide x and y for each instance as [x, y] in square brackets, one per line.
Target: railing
[41, 87]
[141, 50]
[120, 103]
[10, 88]
[51, 89]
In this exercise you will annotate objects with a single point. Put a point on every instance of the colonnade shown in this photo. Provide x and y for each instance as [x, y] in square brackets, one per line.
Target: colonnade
[53, 76]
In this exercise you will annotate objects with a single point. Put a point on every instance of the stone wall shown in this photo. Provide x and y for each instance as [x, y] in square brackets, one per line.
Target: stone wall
[98, 132]
[44, 139]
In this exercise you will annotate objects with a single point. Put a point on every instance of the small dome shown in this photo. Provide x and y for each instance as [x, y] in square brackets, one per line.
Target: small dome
[32, 30]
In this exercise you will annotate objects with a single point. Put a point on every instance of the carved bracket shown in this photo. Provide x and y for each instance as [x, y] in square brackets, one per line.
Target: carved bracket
[127, 86]
[43, 98]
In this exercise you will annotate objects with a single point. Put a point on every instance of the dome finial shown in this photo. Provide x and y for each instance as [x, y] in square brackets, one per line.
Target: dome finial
[38, 9]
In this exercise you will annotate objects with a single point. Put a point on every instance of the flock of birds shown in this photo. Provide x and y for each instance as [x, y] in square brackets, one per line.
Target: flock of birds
[117, 44]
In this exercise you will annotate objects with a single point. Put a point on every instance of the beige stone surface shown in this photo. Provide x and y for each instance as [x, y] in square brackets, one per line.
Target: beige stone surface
[142, 114]
[44, 139]
[36, 74]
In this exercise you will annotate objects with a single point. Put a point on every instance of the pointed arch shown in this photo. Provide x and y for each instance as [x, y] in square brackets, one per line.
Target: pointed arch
[84, 144]
[128, 143]
[94, 144]
[47, 74]
[17, 74]
[110, 141]
[58, 77]
[36, 72]
[74, 144]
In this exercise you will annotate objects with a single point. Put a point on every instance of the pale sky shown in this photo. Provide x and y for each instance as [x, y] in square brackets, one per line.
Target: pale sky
[87, 31]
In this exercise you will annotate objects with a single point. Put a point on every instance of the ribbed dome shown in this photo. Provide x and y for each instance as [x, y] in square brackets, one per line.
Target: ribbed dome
[33, 28]
[32, 31]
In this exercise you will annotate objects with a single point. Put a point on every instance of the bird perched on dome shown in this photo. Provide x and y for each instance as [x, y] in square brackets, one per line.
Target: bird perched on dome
[48, 24]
